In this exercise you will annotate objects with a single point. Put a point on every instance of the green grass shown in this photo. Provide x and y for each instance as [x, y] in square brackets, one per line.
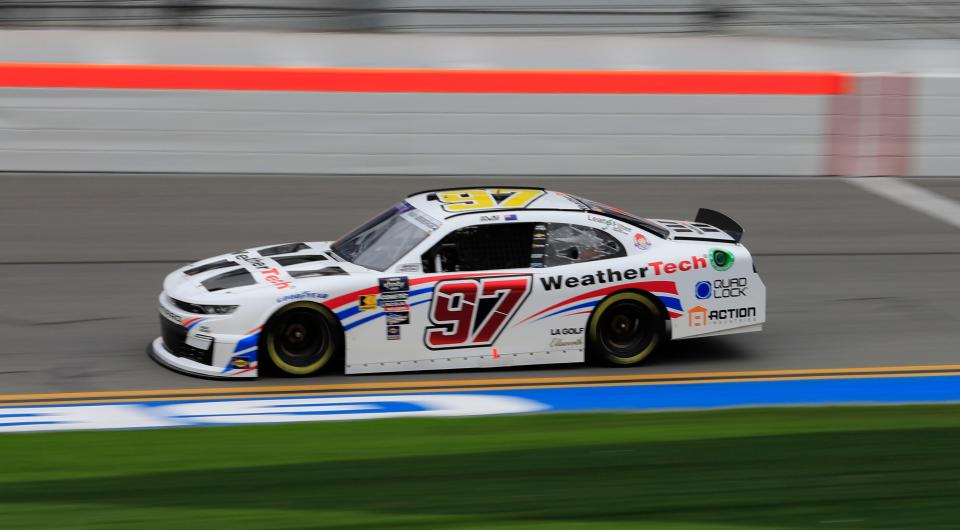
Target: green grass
[884, 467]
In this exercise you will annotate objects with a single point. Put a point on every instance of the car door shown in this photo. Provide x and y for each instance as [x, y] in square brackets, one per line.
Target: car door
[575, 267]
[482, 278]
[452, 311]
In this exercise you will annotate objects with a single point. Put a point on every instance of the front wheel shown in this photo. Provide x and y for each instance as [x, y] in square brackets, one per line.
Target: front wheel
[302, 338]
[625, 329]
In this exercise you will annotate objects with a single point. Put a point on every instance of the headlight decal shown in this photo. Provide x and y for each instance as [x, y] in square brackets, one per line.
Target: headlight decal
[205, 309]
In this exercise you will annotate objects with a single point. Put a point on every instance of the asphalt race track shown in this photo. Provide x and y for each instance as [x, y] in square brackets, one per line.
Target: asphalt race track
[853, 280]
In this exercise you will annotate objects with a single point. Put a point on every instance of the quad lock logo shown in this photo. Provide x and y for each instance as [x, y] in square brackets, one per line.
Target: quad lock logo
[729, 288]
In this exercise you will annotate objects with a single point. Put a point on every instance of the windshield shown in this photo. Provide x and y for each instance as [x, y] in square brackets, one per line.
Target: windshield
[381, 241]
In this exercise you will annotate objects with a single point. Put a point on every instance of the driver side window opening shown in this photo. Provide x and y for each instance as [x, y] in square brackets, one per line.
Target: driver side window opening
[518, 246]
[481, 247]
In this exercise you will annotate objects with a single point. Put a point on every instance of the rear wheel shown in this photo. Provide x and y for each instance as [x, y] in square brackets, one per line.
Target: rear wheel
[302, 339]
[625, 329]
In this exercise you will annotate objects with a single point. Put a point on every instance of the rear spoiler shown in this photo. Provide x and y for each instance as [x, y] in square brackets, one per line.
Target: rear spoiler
[717, 219]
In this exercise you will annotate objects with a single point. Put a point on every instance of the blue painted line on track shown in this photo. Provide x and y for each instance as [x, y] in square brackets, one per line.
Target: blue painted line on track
[886, 390]
[315, 407]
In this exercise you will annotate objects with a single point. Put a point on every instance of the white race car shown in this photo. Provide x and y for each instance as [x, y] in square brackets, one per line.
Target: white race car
[464, 278]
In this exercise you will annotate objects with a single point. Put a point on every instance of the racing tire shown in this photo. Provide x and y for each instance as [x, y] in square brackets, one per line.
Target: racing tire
[302, 339]
[624, 329]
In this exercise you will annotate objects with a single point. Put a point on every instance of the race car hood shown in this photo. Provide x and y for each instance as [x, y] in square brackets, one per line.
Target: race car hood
[276, 268]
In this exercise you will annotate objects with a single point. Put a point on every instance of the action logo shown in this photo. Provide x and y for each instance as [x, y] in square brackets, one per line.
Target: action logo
[700, 316]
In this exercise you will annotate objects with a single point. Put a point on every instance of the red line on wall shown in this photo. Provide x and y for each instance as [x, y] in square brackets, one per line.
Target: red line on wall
[418, 80]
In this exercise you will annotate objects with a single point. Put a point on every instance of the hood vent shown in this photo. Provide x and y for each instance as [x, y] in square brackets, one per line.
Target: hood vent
[288, 248]
[286, 261]
[704, 227]
[326, 271]
[675, 226]
[222, 264]
[229, 280]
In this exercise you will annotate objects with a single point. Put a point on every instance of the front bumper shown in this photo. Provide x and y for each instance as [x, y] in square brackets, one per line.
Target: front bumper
[160, 353]
[204, 345]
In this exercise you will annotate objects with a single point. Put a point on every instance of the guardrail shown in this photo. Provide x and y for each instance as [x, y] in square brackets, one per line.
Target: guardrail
[863, 19]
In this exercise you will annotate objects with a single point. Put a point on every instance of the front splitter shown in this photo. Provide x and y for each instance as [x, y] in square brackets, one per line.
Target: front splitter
[160, 353]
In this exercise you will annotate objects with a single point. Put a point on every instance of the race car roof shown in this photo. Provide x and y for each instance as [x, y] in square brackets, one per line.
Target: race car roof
[448, 202]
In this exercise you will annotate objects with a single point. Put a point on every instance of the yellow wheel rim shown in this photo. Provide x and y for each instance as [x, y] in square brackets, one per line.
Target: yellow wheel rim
[594, 332]
[277, 358]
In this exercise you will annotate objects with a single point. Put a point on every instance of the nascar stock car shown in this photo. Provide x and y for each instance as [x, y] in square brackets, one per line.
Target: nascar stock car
[463, 278]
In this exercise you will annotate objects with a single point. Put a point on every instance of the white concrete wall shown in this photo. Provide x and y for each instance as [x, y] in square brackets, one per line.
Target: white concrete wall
[477, 134]
[936, 126]
[150, 130]
[560, 52]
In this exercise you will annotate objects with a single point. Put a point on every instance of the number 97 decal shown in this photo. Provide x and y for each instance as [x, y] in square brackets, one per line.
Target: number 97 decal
[487, 199]
[470, 313]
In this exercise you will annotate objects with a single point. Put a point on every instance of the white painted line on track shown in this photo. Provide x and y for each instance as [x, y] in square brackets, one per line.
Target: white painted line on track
[257, 411]
[911, 196]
